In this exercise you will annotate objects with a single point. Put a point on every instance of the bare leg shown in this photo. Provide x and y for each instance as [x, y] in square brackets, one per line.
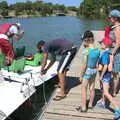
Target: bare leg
[92, 92]
[107, 94]
[102, 100]
[58, 85]
[116, 83]
[84, 93]
[62, 83]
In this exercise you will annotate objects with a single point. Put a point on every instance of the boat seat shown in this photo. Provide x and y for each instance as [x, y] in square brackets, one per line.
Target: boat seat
[38, 57]
[17, 65]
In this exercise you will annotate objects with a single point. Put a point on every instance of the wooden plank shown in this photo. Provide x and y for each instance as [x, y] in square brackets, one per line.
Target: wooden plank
[79, 114]
[62, 117]
[73, 108]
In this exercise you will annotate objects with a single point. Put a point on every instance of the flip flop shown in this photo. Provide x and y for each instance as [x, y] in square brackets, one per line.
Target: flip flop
[80, 109]
[58, 97]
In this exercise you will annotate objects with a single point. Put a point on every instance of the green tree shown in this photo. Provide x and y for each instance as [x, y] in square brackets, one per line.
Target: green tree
[95, 8]
[4, 8]
[19, 8]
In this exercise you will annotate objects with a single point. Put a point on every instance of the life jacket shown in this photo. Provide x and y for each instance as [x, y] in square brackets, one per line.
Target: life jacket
[5, 28]
[107, 31]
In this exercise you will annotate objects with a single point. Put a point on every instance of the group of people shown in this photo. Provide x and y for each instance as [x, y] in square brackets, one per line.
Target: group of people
[104, 61]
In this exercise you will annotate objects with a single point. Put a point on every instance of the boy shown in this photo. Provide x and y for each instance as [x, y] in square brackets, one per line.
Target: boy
[104, 67]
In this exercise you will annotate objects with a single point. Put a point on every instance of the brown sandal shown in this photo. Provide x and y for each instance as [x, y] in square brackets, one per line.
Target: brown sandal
[58, 97]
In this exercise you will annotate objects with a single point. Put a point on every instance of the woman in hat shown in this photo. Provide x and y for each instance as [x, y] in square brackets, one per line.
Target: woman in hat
[115, 37]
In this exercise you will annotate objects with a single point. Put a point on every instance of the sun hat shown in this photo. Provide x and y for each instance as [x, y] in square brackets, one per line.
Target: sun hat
[87, 34]
[115, 13]
[106, 41]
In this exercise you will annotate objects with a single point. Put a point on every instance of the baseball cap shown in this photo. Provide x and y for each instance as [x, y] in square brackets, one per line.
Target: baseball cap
[115, 13]
[18, 24]
[106, 41]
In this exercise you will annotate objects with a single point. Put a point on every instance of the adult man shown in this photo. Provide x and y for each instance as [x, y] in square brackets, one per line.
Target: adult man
[67, 51]
[8, 31]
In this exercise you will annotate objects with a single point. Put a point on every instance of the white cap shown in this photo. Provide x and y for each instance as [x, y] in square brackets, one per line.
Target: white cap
[18, 24]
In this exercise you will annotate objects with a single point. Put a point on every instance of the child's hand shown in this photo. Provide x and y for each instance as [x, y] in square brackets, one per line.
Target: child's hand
[97, 78]
[81, 79]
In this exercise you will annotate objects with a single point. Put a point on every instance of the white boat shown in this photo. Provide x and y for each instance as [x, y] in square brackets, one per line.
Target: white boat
[16, 88]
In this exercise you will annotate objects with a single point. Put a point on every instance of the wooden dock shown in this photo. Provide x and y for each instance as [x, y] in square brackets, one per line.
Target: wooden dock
[65, 109]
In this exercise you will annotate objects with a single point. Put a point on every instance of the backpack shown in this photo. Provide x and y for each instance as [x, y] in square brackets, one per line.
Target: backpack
[5, 28]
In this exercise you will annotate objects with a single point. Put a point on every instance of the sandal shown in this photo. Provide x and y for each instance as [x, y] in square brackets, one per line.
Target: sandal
[58, 97]
[90, 106]
[80, 109]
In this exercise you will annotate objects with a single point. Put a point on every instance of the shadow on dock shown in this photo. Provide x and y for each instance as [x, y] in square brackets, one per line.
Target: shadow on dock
[71, 82]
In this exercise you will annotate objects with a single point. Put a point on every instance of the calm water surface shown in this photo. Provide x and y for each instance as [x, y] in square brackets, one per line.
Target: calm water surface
[48, 28]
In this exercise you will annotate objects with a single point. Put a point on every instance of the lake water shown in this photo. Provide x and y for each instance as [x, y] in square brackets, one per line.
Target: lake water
[48, 28]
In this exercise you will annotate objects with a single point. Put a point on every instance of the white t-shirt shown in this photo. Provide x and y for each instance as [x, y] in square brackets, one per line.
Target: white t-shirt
[13, 29]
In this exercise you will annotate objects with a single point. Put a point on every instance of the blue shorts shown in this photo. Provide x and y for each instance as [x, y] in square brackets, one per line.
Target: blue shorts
[90, 73]
[107, 77]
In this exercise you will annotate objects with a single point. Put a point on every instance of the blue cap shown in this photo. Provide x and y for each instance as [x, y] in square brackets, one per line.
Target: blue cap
[115, 13]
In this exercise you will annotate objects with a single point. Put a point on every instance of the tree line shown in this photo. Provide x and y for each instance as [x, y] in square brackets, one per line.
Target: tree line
[97, 8]
[33, 8]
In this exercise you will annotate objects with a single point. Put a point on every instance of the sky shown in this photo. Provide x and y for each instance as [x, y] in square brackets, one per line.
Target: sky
[65, 2]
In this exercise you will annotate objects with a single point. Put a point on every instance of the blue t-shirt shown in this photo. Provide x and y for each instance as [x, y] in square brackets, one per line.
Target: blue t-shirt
[93, 56]
[105, 60]
[105, 57]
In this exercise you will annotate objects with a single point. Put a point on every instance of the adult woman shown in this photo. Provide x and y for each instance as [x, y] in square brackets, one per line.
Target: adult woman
[115, 36]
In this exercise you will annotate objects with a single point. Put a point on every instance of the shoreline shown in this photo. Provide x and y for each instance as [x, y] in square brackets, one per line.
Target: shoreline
[70, 13]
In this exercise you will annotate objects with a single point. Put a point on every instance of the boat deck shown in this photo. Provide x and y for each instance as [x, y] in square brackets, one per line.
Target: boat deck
[65, 109]
[16, 88]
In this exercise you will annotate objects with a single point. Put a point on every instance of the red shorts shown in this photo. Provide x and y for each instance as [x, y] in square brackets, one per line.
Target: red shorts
[7, 48]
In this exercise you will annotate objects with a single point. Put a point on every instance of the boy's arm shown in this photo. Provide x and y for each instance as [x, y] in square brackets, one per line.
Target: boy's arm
[105, 67]
[110, 66]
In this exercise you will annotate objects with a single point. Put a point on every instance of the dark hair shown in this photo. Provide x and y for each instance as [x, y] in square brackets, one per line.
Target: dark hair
[89, 39]
[40, 43]
[87, 34]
